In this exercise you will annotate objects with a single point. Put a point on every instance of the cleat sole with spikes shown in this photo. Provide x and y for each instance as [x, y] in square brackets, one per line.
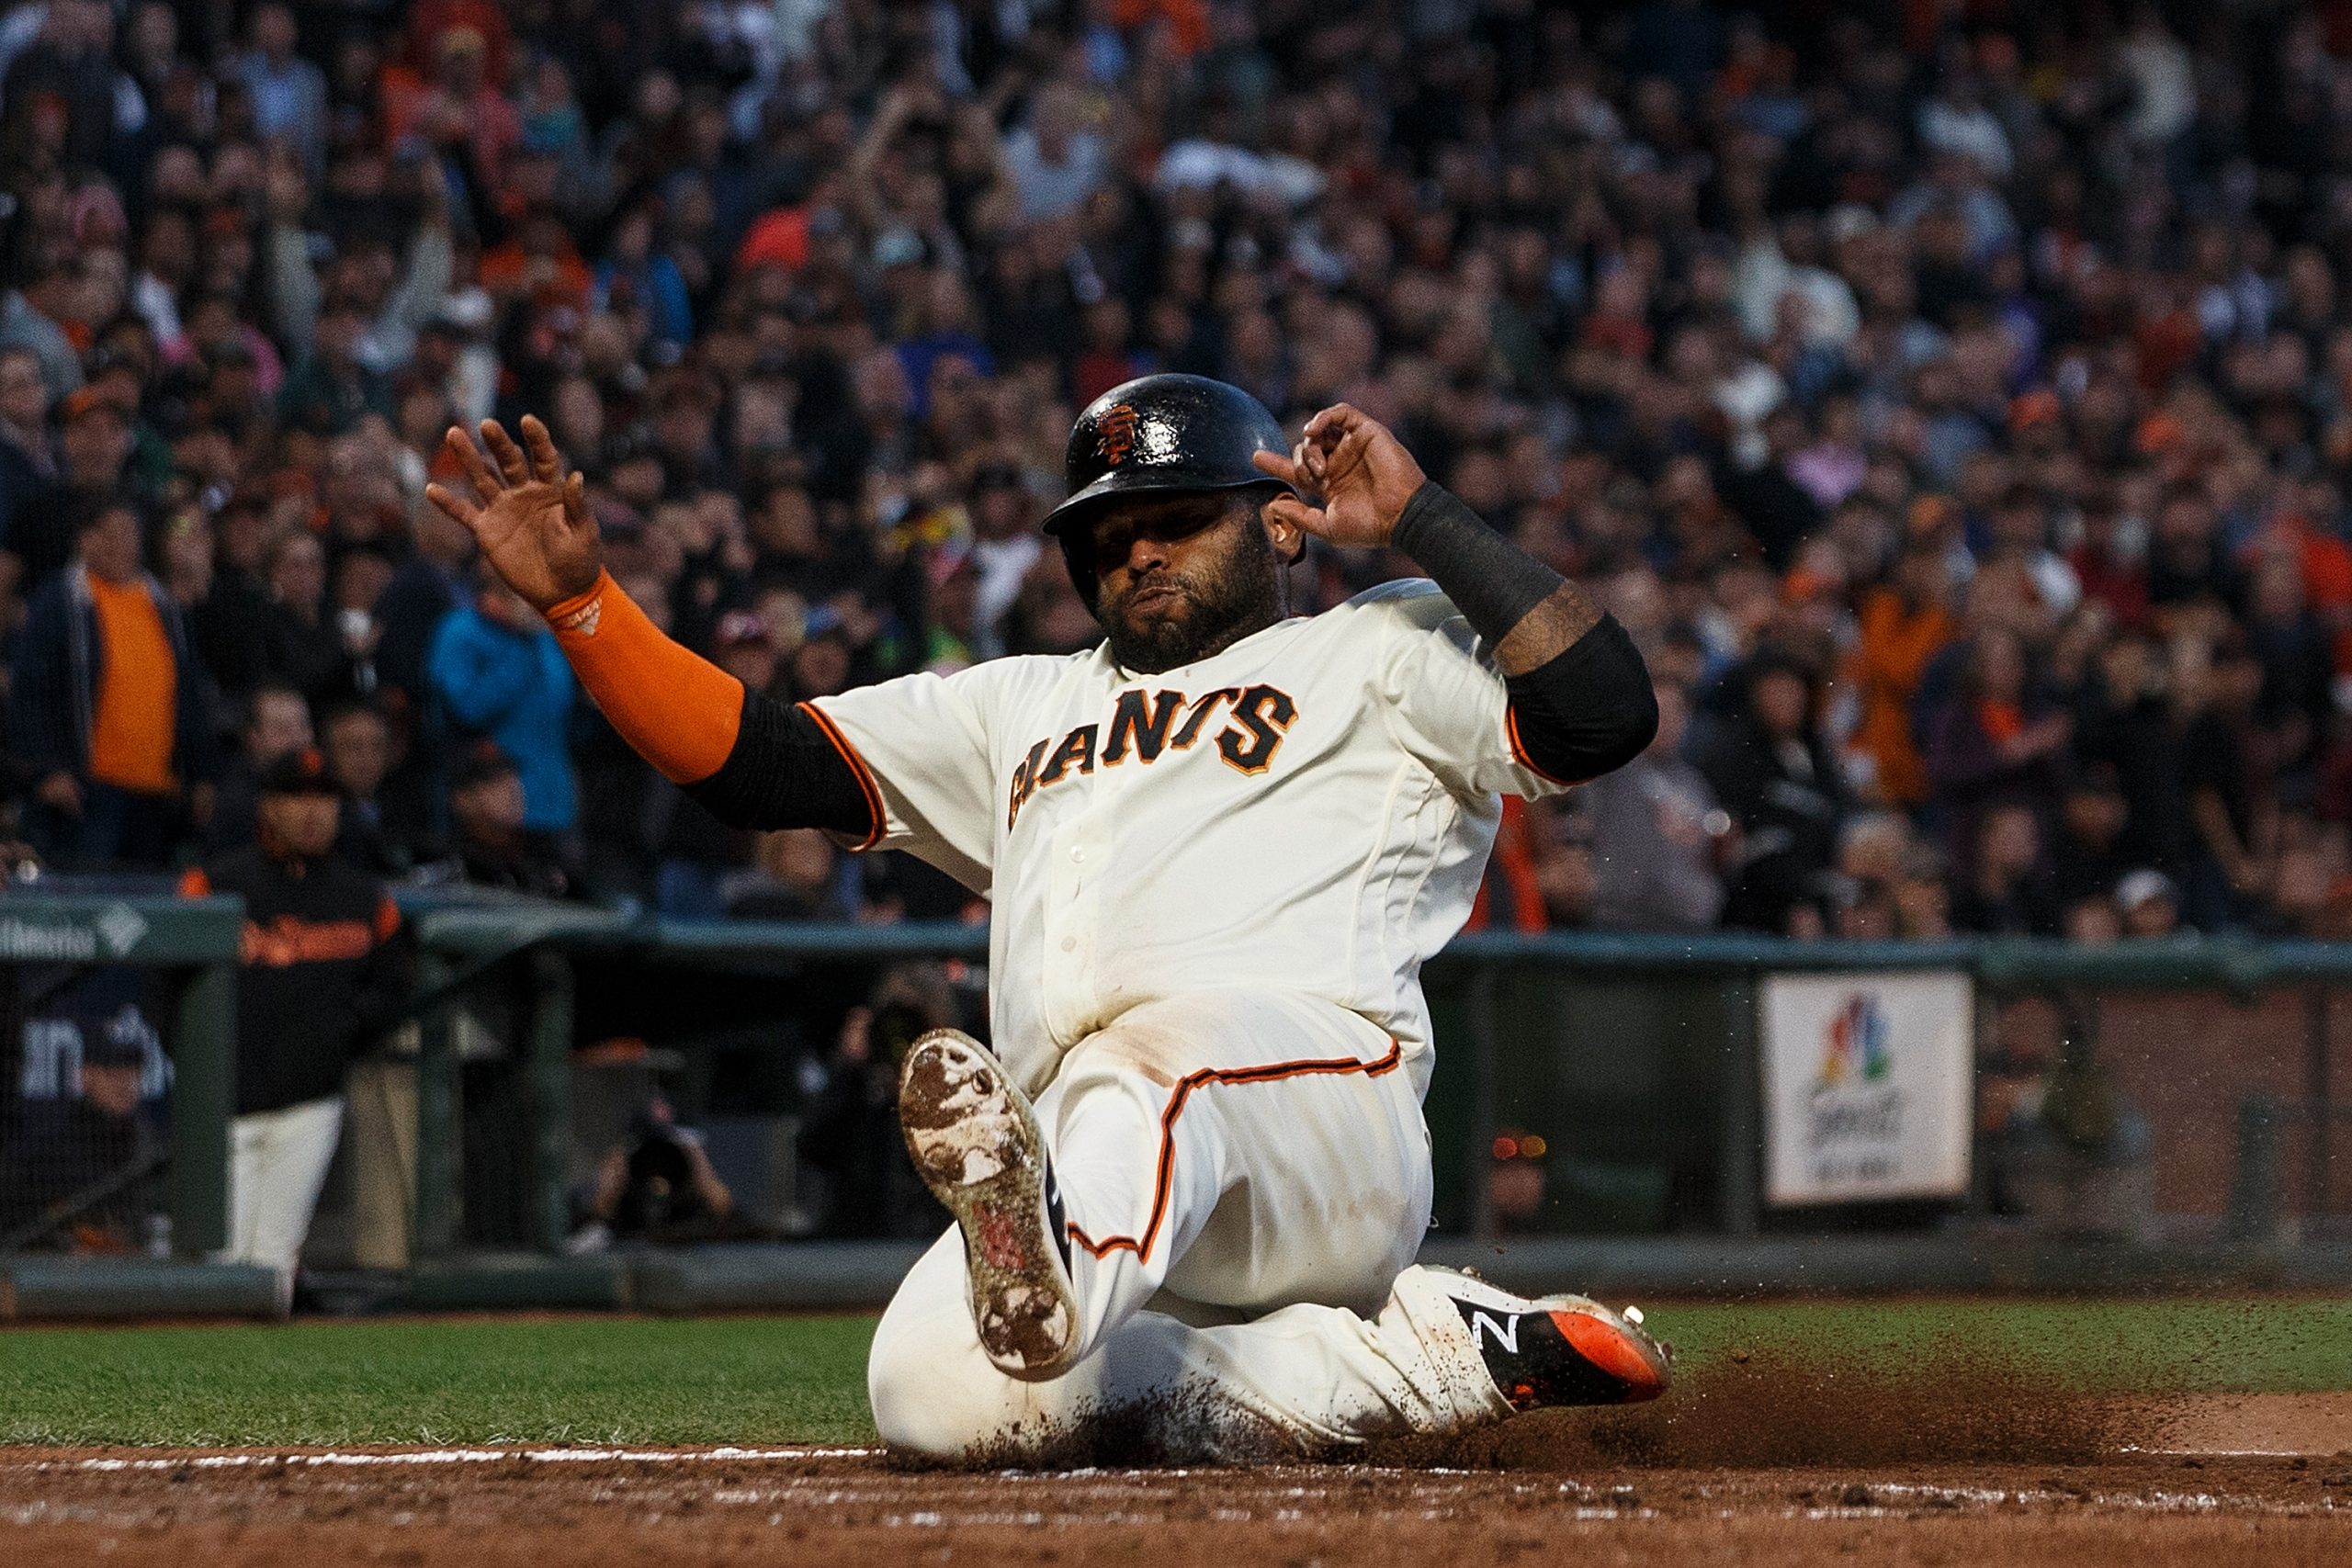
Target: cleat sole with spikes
[977, 1146]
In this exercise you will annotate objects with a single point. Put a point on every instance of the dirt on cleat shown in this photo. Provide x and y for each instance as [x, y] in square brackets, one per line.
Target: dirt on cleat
[978, 1147]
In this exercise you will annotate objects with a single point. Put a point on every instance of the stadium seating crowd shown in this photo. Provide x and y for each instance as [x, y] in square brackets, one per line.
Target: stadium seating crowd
[1954, 400]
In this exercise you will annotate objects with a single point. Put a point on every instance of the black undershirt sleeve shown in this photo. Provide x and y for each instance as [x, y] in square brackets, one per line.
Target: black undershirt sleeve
[1585, 711]
[1588, 712]
[785, 771]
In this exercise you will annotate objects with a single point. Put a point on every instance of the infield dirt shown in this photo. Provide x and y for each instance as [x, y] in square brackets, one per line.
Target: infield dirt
[1754, 1463]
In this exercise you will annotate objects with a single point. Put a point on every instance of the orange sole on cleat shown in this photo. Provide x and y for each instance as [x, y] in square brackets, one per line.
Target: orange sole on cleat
[1616, 1352]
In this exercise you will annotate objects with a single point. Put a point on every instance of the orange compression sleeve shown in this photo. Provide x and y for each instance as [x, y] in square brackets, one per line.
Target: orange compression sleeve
[679, 710]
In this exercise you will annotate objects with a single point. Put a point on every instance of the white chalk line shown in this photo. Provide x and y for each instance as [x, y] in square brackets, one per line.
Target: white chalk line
[2159, 1501]
[491, 1455]
[1585, 1504]
[2222, 1453]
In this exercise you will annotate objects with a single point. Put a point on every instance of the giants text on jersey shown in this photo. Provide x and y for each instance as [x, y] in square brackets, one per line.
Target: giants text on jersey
[1140, 728]
[1309, 810]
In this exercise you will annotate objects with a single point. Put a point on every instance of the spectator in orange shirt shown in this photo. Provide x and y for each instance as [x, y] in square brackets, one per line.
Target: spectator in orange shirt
[450, 98]
[540, 263]
[1187, 20]
[430, 26]
[110, 706]
[1904, 625]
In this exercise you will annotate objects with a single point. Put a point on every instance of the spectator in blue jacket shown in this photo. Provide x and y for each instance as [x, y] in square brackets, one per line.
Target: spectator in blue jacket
[289, 93]
[495, 670]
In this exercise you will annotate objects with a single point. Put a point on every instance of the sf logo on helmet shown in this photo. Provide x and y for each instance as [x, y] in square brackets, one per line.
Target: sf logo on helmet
[1118, 431]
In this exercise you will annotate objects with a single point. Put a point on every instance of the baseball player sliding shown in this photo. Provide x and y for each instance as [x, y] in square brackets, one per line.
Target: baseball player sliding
[1190, 1180]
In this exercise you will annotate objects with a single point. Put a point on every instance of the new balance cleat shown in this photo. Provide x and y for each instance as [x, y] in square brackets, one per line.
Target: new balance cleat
[977, 1147]
[1552, 1350]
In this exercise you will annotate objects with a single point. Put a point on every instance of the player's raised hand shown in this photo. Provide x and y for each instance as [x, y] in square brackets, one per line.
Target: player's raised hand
[1356, 467]
[531, 521]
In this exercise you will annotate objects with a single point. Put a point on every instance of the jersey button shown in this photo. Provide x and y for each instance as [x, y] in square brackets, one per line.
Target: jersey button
[1078, 857]
[1069, 944]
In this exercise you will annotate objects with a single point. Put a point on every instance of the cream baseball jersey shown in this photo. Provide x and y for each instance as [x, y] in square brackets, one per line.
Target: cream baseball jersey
[1309, 810]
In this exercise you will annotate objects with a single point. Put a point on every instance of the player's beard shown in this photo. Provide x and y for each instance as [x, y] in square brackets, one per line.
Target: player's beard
[1224, 603]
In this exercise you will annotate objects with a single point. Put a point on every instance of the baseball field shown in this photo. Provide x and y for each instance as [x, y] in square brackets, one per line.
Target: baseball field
[2138, 1432]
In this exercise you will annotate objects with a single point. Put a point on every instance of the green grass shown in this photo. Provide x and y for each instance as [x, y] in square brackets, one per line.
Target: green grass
[476, 1380]
[802, 1378]
[2126, 1347]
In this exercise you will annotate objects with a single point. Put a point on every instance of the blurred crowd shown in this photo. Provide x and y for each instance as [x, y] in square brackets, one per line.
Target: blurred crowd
[1953, 399]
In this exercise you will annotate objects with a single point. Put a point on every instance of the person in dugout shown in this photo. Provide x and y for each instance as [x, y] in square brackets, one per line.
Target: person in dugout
[322, 969]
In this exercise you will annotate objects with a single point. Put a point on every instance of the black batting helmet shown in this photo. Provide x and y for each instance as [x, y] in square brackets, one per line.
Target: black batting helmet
[1171, 432]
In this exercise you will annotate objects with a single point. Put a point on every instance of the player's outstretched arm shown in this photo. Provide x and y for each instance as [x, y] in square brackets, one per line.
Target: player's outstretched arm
[1580, 697]
[752, 760]
[531, 522]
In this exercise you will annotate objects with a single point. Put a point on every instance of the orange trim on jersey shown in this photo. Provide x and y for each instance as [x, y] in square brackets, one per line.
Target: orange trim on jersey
[677, 709]
[1272, 1072]
[1518, 751]
[866, 784]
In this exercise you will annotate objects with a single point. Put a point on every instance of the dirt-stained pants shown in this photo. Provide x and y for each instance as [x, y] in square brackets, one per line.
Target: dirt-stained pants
[1245, 1176]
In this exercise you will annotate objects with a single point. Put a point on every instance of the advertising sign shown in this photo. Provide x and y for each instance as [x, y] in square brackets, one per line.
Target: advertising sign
[1868, 1087]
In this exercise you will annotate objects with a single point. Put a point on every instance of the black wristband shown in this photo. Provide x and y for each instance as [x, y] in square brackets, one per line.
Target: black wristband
[1491, 581]
[785, 771]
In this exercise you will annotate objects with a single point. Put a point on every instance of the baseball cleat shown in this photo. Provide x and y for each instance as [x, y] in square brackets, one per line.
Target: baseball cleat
[1551, 1350]
[977, 1147]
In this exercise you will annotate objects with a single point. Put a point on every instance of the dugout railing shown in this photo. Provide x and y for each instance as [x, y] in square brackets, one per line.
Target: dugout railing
[177, 1176]
[1634, 1059]
[564, 987]
[2179, 1044]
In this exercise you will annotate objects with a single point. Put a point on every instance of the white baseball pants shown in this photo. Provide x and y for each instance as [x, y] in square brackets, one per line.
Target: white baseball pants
[277, 1162]
[1245, 1176]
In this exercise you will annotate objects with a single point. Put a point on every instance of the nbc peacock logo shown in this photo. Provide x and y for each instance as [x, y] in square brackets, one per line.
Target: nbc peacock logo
[1856, 1049]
